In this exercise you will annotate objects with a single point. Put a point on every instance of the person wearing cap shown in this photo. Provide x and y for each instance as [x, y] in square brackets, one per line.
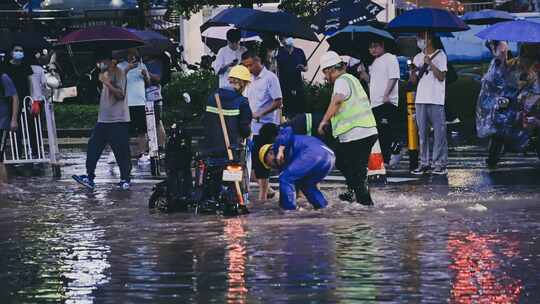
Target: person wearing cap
[228, 56]
[353, 124]
[304, 161]
[112, 127]
[236, 111]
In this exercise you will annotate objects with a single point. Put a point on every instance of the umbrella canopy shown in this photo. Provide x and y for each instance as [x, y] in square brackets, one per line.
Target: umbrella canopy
[341, 13]
[487, 16]
[101, 37]
[427, 20]
[155, 43]
[215, 37]
[517, 31]
[354, 40]
[28, 40]
[279, 23]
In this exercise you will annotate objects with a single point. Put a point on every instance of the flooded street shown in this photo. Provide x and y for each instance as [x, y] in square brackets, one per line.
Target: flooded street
[471, 238]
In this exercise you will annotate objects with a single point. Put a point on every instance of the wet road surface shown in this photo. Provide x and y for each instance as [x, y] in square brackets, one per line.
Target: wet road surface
[470, 238]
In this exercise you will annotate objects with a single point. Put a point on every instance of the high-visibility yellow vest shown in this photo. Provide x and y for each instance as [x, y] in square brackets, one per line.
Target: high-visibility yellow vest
[355, 110]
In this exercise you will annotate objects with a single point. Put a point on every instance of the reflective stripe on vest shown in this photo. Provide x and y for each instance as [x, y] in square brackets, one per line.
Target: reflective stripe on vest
[309, 124]
[214, 110]
[355, 110]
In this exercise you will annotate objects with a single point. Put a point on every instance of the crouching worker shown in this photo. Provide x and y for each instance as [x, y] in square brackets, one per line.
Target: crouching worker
[304, 161]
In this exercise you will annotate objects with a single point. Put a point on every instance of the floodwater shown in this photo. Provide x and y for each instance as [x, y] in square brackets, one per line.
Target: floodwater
[424, 242]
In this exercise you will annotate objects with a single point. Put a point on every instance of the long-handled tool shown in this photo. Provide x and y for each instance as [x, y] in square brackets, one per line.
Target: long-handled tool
[228, 145]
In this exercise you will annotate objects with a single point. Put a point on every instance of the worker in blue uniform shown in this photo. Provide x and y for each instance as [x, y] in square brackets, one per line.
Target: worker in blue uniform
[304, 161]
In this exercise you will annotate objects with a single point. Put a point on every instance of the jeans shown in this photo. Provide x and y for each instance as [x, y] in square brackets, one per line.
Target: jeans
[432, 115]
[117, 136]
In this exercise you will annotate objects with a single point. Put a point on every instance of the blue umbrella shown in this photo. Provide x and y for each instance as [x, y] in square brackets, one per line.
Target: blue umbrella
[340, 13]
[487, 16]
[279, 23]
[427, 20]
[517, 31]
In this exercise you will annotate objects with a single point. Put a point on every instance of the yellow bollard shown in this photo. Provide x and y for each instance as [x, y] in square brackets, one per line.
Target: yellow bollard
[412, 132]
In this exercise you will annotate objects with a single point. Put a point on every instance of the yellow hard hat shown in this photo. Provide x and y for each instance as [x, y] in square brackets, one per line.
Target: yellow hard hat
[240, 72]
[262, 153]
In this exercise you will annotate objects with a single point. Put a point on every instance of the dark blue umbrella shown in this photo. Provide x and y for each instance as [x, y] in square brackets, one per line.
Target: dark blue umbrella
[427, 20]
[340, 13]
[518, 31]
[278, 23]
[487, 16]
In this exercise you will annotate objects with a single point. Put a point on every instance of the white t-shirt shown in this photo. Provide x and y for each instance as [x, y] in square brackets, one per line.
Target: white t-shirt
[37, 82]
[341, 86]
[224, 57]
[135, 86]
[261, 92]
[383, 69]
[430, 90]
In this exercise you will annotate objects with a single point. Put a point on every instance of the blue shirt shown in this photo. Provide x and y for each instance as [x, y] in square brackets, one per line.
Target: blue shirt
[289, 75]
[6, 103]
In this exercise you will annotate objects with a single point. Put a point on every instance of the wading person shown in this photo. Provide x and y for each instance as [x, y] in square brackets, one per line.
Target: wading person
[137, 79]
[291, 63]
[383, 80]
[228, 56]
[112, 127]
[429, 72]
[264, 95]
[304, 161]
[353, 124]
[9, 112]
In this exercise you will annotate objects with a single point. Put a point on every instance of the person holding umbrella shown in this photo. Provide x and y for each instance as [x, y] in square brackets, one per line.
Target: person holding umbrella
[228, 56]
[383, 80]
[291, 63]
[113, 123]
[428, 71]
[353, 124]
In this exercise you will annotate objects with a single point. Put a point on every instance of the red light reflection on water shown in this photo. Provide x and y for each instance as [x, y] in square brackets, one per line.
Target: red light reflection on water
[235, 234]
[479, 277]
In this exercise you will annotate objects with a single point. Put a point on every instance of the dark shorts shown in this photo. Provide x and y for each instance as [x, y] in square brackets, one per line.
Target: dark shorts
[260, 171]
[137, 125]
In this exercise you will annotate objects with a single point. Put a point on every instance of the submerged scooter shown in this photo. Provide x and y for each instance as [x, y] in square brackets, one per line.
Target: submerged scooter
[220, 185]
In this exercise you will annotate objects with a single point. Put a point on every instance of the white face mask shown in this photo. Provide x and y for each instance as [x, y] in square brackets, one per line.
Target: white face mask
[421, 43]
[289, 41]
[102, 66]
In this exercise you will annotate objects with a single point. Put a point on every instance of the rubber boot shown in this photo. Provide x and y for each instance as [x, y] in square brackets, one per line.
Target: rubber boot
[363, 197]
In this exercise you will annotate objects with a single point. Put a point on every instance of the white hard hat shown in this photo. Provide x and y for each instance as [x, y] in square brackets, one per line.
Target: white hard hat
[330, 59]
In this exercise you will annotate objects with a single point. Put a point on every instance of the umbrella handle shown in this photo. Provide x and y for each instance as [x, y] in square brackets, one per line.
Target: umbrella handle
[316, 48]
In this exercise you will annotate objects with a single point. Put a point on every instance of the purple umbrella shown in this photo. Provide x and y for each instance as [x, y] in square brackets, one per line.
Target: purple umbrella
[101, 37]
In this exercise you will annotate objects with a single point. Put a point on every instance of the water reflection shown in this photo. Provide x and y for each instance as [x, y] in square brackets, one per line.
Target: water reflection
[480, 276]
[235, 234]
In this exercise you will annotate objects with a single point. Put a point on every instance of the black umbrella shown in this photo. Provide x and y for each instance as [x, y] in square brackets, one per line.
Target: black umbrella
[354, 41]
[487, 17]
[278, 23]
[155, 43]
[28, 40]
[341, 13]
[427, 20]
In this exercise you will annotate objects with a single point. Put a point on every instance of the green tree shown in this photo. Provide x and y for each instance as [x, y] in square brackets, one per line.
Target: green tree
[303, 8]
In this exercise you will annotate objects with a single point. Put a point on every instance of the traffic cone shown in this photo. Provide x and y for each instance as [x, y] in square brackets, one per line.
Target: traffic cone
[376, 170]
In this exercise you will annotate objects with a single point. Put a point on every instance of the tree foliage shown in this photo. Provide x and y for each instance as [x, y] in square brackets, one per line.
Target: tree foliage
[301, 8]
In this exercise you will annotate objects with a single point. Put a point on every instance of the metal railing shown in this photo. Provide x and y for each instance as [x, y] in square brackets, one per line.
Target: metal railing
[27, 144]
